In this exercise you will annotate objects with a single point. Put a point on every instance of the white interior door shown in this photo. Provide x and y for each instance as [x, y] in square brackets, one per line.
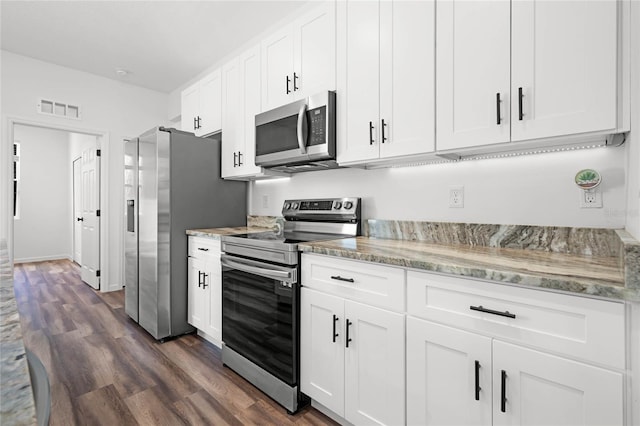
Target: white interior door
[77, 210]
[90, 252]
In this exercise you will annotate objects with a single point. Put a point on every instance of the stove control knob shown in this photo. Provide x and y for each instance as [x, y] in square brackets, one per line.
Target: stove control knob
[348, 205]
[294, 206]
[286, 206]
[337, 205]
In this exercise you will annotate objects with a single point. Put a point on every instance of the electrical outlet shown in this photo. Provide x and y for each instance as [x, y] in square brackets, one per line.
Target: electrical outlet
[590, 198]
[456, 196]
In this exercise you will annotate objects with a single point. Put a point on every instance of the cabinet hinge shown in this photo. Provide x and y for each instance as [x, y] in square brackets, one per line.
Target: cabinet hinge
[98, 273]
[98, 153]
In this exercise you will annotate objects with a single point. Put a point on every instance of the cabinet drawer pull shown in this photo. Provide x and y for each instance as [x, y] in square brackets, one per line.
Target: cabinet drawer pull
[478, 388]
[339, 278]
[498, 108]
[491, 311]
[335, 320]
[348, 339]
[371, 133]
[203, 249]
[503, 392]
[520, 96]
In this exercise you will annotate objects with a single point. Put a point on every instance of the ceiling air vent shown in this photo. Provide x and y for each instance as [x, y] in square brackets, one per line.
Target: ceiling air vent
[60, 109]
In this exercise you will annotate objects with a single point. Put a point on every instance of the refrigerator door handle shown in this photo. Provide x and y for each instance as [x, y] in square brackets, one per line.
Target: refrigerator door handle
[131, 216]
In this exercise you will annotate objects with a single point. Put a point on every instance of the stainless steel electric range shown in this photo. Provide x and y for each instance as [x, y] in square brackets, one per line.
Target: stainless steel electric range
[261, 293]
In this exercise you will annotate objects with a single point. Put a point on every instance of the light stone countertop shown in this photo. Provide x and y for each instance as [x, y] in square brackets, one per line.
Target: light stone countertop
[601, 276]
[16, 396]
[216, 233]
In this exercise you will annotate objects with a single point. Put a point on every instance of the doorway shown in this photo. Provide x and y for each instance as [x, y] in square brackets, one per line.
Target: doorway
[58, 194]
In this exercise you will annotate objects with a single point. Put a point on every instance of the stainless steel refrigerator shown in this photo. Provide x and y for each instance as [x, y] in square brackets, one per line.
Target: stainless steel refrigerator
[172, 183]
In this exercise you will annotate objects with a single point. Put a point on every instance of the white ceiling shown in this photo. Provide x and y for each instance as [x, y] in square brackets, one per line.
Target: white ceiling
[162, 43]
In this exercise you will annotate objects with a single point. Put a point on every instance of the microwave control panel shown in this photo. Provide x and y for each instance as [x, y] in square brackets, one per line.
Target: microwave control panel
[317, 118]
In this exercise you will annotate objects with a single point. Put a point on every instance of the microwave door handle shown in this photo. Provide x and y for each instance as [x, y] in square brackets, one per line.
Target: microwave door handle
[269, 273]
[302, 129]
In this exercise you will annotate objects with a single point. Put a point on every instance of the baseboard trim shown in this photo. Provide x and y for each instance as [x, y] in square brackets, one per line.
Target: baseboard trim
[43, 258]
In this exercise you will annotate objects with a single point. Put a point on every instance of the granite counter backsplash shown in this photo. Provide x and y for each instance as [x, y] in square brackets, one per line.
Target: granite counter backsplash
[597, 262]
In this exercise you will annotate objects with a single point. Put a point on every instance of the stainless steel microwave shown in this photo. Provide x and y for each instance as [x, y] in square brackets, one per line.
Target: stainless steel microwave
[300, 136]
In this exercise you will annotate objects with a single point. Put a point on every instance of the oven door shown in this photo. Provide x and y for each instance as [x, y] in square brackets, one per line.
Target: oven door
[259, 314]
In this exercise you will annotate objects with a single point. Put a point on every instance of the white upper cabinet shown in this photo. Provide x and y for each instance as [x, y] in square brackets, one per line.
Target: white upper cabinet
[232, 141]
[300, 60]
[202, 105]
[522, 70]
[241, 102]
[473, 83]
[563, 59]
[385, 81]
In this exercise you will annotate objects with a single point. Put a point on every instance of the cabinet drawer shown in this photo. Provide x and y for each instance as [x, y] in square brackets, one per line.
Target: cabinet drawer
[203, 248]
[364, 282]
[576, 326]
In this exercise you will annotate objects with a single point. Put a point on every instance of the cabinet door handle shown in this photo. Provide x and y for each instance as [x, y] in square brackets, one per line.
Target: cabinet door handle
[478, 388]
[203, 249]
[498, 109]
[384, 138]
[335, 320]
[204, 280]
[199, 278]
[239, 158]
[234, 159]
[288, 81]
[503, 392]
[491, 311]
[194, 123]
[199, 124]
[520, 96]
[348, 339]
[339, 278]
[371, 133]
[295, 80]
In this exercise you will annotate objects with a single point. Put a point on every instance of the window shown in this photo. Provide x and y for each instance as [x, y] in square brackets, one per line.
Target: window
[16, 180]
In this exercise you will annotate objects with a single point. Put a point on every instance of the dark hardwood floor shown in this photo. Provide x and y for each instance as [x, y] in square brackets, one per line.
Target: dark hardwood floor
[106, 370]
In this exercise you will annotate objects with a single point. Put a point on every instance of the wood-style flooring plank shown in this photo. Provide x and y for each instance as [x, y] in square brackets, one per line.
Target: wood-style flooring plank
[150, 407]
[104, 369]
[104, 407]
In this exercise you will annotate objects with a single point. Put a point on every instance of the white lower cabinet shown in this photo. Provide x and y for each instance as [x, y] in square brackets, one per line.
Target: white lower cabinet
[475, 352]
[476, 377]
[204, 292]
[544, 389]
[445, 366]
[456, 377]
[352, 358]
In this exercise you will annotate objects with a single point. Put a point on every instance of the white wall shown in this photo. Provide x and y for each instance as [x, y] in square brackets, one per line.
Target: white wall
[118, 109]
[528, 190]
[43, 230]
[633, 204]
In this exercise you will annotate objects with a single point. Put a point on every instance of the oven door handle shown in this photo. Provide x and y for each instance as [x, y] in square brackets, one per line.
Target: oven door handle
[302, 129]
[264, 272]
